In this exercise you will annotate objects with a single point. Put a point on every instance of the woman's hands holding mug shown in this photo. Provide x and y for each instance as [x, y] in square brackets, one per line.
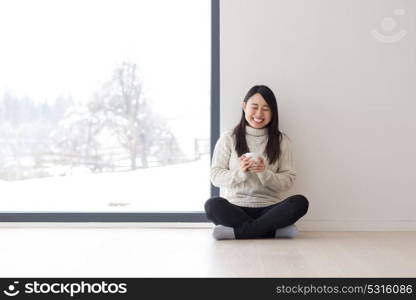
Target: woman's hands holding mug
[249, 165]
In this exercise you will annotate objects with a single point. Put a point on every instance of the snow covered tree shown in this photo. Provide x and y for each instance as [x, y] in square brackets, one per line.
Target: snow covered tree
[25, 128]
[130, 115]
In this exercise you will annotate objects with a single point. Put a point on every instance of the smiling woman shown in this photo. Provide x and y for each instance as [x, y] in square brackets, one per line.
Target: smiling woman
[94, 106]
[251, 204]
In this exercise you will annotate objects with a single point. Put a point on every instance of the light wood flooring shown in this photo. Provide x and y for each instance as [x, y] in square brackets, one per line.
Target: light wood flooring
[190, 252]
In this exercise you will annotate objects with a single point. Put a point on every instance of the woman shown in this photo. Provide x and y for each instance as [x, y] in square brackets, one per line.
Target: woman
[251, 205]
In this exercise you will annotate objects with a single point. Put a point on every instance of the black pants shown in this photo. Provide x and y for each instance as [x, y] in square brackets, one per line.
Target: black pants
[251, 223]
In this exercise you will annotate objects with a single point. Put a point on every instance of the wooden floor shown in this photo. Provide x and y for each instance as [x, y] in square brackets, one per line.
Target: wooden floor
[154, 252]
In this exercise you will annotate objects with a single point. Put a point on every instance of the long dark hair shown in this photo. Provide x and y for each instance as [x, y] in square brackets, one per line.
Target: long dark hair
[272, 150]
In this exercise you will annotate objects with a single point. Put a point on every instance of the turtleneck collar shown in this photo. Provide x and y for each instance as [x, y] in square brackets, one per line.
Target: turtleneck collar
[255, 131]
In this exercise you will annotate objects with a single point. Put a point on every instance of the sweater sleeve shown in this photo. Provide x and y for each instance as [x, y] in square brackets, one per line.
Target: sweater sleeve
[221, 175]
[283, 179]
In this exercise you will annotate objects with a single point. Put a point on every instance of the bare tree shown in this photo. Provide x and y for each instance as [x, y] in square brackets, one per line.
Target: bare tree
[117, 123]
[124, 101]
[130, 115]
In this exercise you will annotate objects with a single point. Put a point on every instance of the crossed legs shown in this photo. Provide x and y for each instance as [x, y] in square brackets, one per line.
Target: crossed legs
[256, 222]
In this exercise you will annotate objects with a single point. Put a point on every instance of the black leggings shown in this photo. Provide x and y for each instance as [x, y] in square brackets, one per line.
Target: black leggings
[252, 223]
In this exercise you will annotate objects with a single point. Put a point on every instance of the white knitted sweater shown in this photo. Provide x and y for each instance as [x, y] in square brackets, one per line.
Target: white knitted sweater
[251, 189]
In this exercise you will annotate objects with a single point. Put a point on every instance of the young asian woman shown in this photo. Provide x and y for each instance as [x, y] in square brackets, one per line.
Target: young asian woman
[251, 205]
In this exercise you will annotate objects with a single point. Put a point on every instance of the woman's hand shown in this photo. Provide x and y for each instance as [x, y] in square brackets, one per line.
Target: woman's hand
[258, 167]
[245, 163]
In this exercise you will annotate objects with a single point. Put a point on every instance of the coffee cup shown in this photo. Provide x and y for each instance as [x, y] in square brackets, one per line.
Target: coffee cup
[254, 156]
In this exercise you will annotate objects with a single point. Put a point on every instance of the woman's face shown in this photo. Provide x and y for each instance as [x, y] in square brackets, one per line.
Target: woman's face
[258, 114]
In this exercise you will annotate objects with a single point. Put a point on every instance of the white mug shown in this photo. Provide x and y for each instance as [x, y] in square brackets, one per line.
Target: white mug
[254, 156]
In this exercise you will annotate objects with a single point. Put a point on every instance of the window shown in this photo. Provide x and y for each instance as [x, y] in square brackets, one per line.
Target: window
[105, 107]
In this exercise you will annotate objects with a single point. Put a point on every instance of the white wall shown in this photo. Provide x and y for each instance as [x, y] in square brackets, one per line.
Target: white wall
[346, 99]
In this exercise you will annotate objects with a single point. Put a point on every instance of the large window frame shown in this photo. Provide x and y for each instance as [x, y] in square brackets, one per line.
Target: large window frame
[193, 217]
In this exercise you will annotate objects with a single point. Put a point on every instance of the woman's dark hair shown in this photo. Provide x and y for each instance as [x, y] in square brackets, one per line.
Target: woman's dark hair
[272, 150]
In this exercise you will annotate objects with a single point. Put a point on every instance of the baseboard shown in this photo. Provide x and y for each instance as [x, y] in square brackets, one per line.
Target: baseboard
[356, 225]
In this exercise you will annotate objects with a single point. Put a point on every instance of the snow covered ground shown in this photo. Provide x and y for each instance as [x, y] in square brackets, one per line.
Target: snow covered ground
[182, 187]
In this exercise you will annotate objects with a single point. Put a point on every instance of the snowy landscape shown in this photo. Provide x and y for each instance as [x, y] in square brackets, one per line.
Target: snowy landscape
[174, 188]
